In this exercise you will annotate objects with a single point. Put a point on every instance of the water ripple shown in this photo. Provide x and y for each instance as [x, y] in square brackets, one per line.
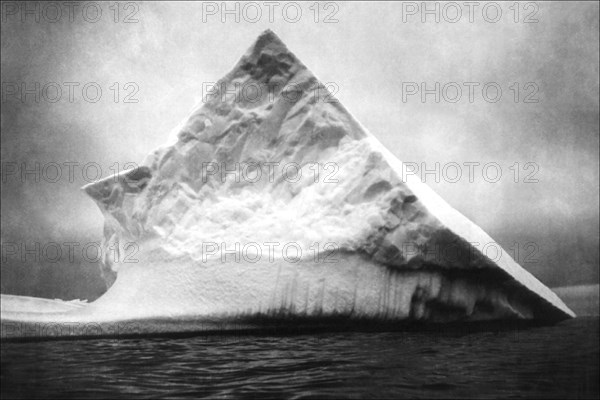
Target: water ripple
[542, 362]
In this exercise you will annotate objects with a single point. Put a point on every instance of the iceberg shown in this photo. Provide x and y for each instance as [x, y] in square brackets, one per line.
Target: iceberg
[272, 203]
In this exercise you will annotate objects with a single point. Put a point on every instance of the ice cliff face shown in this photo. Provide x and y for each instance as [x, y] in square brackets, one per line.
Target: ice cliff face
[273, 200]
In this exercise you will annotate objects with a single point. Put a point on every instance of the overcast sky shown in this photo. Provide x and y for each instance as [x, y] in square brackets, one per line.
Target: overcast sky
[372, 57]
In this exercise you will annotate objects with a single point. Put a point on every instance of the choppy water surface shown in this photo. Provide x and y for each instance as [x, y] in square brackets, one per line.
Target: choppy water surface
[555, 361]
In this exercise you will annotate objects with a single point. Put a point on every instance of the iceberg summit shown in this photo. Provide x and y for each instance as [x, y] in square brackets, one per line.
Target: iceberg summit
[272, 204]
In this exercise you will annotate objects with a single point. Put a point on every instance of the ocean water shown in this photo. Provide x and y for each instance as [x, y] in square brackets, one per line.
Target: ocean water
[535, 362]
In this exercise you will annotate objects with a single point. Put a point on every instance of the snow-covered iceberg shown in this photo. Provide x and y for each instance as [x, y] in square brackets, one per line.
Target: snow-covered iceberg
[272, 202]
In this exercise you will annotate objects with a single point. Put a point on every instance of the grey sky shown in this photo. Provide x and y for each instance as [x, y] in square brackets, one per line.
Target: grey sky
[369, 55]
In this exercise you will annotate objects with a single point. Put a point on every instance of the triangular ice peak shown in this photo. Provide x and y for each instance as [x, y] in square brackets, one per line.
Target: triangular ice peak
[275, 200]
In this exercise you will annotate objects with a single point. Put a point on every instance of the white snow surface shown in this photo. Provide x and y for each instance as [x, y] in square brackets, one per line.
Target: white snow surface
[370, 241]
